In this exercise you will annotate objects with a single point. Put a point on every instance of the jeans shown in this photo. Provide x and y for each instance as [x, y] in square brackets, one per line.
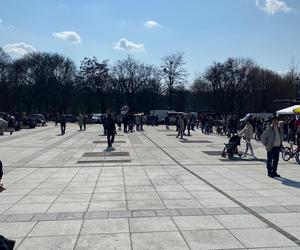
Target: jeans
[273, 158]
[180, 133]
[63, 128]
[110, 139]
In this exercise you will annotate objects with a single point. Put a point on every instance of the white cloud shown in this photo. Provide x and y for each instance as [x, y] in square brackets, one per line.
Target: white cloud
[151, 24]
[124, 44]
[4, 27]
[18, 49]
[70, 36]
[273, 6]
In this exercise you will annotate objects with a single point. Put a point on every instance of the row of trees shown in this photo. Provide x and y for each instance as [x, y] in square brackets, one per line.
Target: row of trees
[51, 83]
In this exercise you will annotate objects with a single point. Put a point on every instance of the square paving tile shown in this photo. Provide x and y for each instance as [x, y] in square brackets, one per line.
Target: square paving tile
[212, 239]
[151, 224]
[54, 228]
[48, 243]
[259, 237]
[107, 206]
[16, 229]
[240, 221]
[58, 207]
[104, 241]
[99, 226]
[158, 241]
[201, 222]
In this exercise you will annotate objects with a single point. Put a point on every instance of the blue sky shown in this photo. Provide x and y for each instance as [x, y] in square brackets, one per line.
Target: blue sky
[205, 30]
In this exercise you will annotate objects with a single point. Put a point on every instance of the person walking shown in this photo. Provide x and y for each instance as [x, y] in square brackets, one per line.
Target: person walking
[1, 175]
[125, 123]
[167, 121]
[247, 132]
[80, 121]
[104, 122]
[272, 140]
[111, 130]
[84, 120]
[189, 124]
[62, 121]
[180, 125]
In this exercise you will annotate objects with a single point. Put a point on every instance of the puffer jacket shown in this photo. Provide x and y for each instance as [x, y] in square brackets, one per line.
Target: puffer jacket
[268, 137]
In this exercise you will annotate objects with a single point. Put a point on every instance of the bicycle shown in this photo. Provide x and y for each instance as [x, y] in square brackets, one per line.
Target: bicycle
[289, 152]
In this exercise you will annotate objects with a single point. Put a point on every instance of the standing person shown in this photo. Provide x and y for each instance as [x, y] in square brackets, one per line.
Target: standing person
[62, 121]
[85, 118]
[103, 118]
[80, 121]
[111, 130]
[189, 124]
[142, 121]
[11, 125]
[291, 130]
[167, 120]
[272, 140]
[119, 121]
[247, 133]
[137, 122]
[1, 174]
[56, 118]
[180, 125]
[125, 123]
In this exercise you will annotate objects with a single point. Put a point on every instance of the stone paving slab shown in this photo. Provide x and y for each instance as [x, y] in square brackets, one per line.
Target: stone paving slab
[146, 195]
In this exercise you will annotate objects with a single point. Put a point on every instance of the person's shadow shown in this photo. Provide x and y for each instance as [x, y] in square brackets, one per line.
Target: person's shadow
[288, 182]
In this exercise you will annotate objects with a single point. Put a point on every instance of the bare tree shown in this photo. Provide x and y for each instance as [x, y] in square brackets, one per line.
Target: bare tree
[131, 76]
[173, 72]
[96, 81]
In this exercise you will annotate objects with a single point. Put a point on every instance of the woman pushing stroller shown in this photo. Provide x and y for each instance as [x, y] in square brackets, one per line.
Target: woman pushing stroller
[247, 133]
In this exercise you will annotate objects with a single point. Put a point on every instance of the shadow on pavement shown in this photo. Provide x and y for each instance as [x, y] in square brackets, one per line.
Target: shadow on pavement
[288, 182]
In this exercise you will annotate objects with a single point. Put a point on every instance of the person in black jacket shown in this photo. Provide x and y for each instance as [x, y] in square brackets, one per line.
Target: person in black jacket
[63, 122]
[6, 244]
[1, 174]
[111, 130]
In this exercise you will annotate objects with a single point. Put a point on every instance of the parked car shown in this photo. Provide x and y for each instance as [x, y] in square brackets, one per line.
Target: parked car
[38, 119]
[96, 118]
[4, 116]
[71, 118]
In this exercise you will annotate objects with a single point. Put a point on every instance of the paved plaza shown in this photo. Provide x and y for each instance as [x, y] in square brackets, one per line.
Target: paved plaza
[153, 192]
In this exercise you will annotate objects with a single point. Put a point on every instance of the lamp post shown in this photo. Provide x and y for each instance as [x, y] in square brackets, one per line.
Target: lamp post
[170, 71]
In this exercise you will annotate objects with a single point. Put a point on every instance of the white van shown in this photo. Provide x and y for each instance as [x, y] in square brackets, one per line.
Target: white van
[160, 114]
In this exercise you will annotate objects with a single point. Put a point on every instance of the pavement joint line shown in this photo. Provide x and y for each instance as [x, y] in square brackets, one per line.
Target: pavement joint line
[59, 194]
[46, 178]
[42, 151]
[83, 220]
[178, 214]
[257, 215]
[18, 136]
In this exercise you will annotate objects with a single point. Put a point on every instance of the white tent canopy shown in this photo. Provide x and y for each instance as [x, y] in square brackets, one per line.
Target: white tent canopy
[288, 111]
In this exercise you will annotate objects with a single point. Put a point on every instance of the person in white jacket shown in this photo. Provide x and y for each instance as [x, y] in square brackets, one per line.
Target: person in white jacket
[247, 133]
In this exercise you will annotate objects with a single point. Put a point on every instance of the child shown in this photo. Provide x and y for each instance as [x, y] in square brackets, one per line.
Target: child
[1, 174]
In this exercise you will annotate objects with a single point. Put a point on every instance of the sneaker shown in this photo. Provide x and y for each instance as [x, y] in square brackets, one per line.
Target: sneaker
[270, 174]
[276, 175]
[2, 188]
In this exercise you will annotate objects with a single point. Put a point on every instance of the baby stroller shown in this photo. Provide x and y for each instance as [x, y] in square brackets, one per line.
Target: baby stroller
[231, 148]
